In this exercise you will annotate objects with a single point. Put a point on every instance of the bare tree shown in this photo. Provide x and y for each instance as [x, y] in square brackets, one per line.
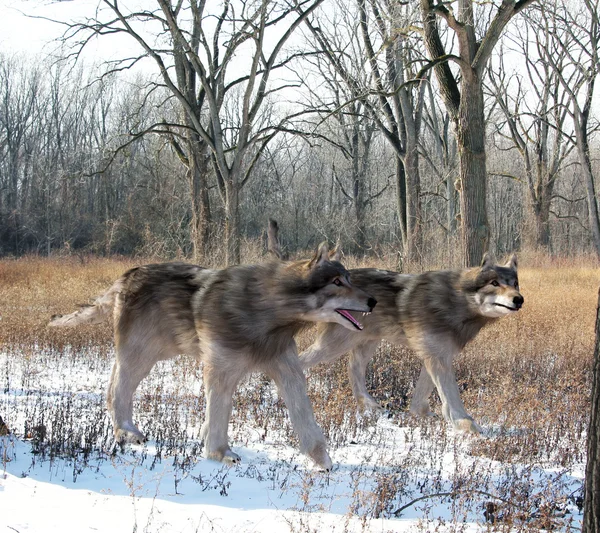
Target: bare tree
[462, 93]
[346, 122]
[573, 55]
[202, 44]
[591, 502]
[533, 106]
[387, 92]
[19, 95]
[439, 152]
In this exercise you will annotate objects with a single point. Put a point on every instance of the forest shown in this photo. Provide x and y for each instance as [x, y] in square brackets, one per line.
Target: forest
[433, 132]
[416, 135]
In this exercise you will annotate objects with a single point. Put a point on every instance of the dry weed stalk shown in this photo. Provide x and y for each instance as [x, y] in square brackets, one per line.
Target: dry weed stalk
[526, 377]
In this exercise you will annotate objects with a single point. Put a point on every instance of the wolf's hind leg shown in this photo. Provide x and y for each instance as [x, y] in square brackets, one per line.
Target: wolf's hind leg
[286, 371]
[420, 401]
[332, 342]
[357, 369]
[125, 378]
[219, 384]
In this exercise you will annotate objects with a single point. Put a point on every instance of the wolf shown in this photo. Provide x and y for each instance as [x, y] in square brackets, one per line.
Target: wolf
[237, 320]
[435, 314]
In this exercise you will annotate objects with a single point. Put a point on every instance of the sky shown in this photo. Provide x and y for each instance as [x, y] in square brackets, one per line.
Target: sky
[25, 28]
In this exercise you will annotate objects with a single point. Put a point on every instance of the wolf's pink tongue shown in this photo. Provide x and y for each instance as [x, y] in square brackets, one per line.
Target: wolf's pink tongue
[347, 315]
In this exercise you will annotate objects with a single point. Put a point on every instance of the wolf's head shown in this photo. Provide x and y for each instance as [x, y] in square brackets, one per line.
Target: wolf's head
[495, 288]
[329, 295]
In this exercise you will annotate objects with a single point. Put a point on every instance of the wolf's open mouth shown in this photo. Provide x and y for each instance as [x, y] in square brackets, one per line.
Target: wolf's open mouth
[506, 307]
[346, 314]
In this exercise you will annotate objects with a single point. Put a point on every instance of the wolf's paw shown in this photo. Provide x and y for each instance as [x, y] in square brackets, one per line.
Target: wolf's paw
[320, 456]
[230, 458]
[129, 435]
[224, 456]
[367, 404]
[467, 425]
[421, 410]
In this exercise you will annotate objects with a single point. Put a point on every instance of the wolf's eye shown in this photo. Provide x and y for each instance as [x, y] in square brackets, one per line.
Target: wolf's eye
[337, 282]
[495, 283]
[516, 284]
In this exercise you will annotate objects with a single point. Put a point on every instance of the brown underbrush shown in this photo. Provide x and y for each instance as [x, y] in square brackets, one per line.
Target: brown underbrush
[526, 378]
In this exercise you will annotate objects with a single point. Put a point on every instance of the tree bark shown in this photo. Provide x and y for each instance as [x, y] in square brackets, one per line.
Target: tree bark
[590, 189]
[200, 206]
[401, 199]
[232, 222]
[591, 504]
[470, 134]
[358, 186]
[413, 200]
[541, 215]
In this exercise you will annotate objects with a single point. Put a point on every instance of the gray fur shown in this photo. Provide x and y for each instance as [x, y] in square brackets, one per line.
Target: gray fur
[434, 313]
[237, 320]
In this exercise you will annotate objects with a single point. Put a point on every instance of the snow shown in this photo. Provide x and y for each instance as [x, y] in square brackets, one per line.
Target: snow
[60, 473]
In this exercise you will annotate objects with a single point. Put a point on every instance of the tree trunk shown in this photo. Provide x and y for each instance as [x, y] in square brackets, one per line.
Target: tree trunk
[451, 206]
[591, 504]
[590, 189]
[401, 199]
[541, 218]
[358, 189]
[232, 223]
[200, 206]
[470, 136]
[413, 201]
[359, 211]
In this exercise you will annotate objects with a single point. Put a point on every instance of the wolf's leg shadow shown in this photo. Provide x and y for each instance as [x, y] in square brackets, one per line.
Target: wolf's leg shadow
[357, 369]
[333, 341]
[286, 371]
[437, 358]
[419, 404]
[220, 383]
[132, 365]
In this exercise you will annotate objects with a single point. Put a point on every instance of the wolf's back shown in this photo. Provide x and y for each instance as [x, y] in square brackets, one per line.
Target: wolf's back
[91, 314]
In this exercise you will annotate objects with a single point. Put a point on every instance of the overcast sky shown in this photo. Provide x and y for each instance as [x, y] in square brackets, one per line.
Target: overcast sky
[19, 32]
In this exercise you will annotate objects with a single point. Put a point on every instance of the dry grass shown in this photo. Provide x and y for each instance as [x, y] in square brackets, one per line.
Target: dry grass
[520, 371]
[552, 336]
[32, 289]
[527, 378]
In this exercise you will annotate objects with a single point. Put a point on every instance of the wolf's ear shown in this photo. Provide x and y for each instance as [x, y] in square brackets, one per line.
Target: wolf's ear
[488, 260]
[321, 255]
[336, 253]
[512, 262]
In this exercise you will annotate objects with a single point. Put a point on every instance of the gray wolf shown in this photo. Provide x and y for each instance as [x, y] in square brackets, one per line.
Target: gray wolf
[435, 314]
[237, 320]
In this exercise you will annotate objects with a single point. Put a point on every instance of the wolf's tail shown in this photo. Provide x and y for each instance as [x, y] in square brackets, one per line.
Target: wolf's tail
[91, 314]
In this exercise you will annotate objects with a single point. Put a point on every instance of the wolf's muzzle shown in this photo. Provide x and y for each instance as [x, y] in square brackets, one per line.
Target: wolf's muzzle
[371, 302]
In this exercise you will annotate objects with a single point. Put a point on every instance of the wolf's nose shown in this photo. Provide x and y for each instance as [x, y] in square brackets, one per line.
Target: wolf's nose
[371, 302]
[518, 301]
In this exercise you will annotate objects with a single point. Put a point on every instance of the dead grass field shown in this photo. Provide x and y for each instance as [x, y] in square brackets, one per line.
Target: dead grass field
[526, 378]
[544, 351]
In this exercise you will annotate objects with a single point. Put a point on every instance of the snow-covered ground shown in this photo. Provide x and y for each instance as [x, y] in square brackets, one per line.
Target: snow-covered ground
[59, 472]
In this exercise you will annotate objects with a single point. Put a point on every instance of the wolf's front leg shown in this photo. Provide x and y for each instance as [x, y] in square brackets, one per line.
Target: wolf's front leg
[332, 342]
[286, 371]
[420, 400]
[219, 384]
[357, 369]
[438, 359]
